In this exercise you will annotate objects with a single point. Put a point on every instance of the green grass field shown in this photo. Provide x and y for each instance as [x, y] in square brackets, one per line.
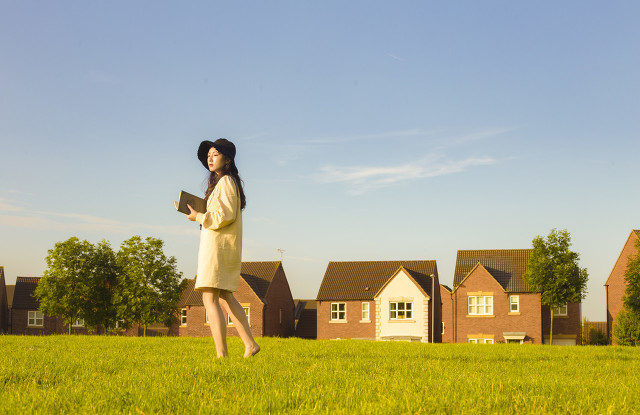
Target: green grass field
[92, 374]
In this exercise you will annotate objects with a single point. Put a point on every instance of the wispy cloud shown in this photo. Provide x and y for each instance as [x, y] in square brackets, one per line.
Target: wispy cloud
[415, 132]
[360, 179]
[12, 215]
[395, 57]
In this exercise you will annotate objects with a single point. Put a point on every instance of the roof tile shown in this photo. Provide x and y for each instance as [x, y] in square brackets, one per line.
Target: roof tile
[505, 265]
[361, 280]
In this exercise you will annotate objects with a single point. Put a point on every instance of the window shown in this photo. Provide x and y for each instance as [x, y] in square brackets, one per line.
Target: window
[480, 305]
[514, 303]
[442, 330]
[338, 311]
[365, 311]
[400, 310]
[560, 311]
[119, 324]
[36, 319]
[183, 317]
[246, 312]
[481, 341]
[78, 323]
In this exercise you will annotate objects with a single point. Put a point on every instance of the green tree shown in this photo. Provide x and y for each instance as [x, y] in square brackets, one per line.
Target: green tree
[62, 289]
[632, 280]
[149, 285]
[553, 271]
[626, 330]
[627, 324]
[98, 306]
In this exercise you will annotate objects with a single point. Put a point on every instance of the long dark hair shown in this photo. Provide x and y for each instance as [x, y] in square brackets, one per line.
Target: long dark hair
[231, 170]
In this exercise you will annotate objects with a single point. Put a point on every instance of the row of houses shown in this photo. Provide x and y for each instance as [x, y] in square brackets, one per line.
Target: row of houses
[488, 302]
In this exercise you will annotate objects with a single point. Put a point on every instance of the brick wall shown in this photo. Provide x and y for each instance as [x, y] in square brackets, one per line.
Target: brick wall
[564, 327]
[353, 328]
[447, 314]
[616, 285]
[527, 320]
[279, 312]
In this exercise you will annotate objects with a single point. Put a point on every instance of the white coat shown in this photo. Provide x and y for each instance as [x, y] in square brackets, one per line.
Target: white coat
[220, 252]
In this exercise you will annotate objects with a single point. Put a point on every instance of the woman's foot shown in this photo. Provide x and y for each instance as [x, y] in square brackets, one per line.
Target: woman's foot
[253, 350]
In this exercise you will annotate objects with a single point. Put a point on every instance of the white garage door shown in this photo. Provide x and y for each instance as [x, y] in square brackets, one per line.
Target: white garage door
[561, 342]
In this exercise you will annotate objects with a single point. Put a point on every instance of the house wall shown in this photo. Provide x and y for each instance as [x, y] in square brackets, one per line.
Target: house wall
[354, 328]
[564, 327]
[447, 315]
[279, 318]
[528, 319]
[616, 285]
[401, 288]
[197, 327]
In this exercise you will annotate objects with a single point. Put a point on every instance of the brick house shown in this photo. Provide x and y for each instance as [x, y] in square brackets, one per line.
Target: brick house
[4, 304]
[380, 300]
[264, 293]
[492, 303]
[615, 285]
[26, 318]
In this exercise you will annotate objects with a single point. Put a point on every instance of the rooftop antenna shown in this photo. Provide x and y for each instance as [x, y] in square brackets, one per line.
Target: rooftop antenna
[281, 251]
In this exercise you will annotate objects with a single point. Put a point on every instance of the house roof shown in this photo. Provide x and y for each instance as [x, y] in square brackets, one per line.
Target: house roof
[361, 280]
[258, 275]
[505, 265]
[23, 294]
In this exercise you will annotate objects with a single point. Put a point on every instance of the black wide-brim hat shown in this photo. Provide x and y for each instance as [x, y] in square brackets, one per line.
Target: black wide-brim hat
[223, 146]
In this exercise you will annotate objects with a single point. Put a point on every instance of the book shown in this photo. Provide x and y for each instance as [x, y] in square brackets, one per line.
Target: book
[197, 203]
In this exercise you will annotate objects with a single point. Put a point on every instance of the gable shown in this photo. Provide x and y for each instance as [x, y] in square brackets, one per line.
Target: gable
[506, 266]
[362, 280]
[404, 283]
[619, 268]
[482, 279]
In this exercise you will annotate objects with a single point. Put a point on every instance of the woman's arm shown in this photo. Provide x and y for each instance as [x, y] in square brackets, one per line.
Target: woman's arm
[223, 210]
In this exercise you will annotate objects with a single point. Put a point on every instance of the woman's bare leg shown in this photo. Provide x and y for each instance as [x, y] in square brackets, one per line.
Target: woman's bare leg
[216, 320]
[239, 319]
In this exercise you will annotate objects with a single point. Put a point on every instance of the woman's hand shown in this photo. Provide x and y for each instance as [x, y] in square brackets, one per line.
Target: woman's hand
[192, 214]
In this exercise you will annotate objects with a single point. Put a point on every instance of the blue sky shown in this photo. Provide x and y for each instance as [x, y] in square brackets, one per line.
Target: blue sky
[365, 130]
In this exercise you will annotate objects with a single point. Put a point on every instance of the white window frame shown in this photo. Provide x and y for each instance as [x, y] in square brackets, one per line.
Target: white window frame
[246, 312]
[183, 316]
[364, 308]
[481, 341]
[396, 308]
[78, 323]
[557, 312]
[480, 305]
[339, 312]
[33, 317]
[516, 303]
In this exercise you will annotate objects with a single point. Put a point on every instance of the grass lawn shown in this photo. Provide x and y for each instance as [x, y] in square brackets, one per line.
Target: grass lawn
[92, 374]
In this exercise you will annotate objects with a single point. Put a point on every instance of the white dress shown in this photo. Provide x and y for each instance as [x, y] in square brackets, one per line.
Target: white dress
[220, 252]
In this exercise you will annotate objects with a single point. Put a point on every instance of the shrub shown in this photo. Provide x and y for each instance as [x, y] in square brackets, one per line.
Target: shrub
[627, 328]
[597, 337]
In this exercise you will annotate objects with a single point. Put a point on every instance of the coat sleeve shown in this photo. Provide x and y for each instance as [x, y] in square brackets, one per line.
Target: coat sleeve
[223, 209]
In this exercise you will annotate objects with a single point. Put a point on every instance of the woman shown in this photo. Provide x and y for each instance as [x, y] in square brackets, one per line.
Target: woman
[220, 253]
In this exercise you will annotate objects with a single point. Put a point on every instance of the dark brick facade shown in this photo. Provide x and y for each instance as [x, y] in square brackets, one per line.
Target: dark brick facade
[353, 328]
[263, 288]
[616, 285]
